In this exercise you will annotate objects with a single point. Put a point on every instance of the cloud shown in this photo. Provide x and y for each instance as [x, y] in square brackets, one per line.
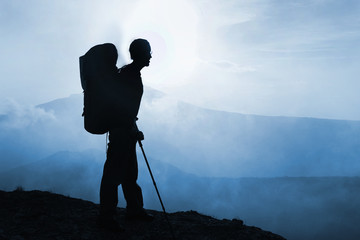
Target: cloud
[254, 41]
[19, 116]
[228, 66]
[44, 41]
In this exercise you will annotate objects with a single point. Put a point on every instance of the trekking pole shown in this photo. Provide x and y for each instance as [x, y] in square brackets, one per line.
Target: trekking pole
[157, 191]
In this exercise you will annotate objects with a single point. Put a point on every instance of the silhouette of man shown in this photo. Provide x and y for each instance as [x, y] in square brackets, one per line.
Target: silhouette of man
[121, 163]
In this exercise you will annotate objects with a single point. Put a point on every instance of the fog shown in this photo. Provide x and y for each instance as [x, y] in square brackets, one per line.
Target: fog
[297, 177]
[266, 58]
[297, 208]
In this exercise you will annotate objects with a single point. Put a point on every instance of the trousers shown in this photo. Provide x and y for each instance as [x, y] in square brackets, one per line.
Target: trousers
[120, 167]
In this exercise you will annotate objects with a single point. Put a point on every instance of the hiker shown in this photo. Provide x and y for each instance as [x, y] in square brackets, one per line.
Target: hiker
[121, 164]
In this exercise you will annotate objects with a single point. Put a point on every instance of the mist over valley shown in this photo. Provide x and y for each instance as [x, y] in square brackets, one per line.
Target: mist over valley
[297, 177]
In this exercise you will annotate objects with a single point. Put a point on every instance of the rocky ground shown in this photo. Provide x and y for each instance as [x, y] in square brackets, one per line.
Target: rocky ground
[43, 215]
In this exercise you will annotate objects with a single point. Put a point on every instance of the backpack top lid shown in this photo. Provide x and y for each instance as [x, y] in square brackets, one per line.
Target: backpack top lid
[97, 63]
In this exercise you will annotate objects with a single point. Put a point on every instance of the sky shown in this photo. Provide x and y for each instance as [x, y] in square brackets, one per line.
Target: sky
[270, 57]
[275, 58]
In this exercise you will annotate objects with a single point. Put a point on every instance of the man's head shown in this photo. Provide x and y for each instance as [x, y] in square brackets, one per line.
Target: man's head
[140, 51]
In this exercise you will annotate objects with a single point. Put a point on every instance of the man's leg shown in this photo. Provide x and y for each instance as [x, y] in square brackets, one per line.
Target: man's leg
[108, 191]
[132, 191]
[110, 181]
[133, 197]
[115, 169]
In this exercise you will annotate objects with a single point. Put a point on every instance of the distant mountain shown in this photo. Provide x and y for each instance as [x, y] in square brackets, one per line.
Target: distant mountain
[216, 143]
[197, 140]
[204, 160]
[44, 215]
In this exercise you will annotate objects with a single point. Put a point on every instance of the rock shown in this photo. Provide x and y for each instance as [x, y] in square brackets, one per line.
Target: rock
[44, 215]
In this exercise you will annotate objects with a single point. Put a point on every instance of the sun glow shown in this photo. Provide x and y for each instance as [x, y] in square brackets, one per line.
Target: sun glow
[171, 28]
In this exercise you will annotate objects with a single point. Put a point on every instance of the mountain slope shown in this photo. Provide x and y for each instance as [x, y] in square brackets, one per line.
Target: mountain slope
[43, 215]
[216, 143]
[327, 207]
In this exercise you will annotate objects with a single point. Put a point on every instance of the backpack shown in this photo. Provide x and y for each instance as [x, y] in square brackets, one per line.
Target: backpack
[98, 73]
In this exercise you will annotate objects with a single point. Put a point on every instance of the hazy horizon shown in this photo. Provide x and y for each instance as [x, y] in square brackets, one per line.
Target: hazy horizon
[254, 57]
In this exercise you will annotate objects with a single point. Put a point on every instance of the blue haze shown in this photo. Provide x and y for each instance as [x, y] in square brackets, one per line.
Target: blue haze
[298, 177]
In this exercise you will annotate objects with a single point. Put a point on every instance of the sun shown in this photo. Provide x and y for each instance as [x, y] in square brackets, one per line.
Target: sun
[171, 29]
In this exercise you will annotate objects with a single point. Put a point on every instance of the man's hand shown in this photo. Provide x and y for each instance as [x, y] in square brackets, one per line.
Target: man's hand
[139, 136]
